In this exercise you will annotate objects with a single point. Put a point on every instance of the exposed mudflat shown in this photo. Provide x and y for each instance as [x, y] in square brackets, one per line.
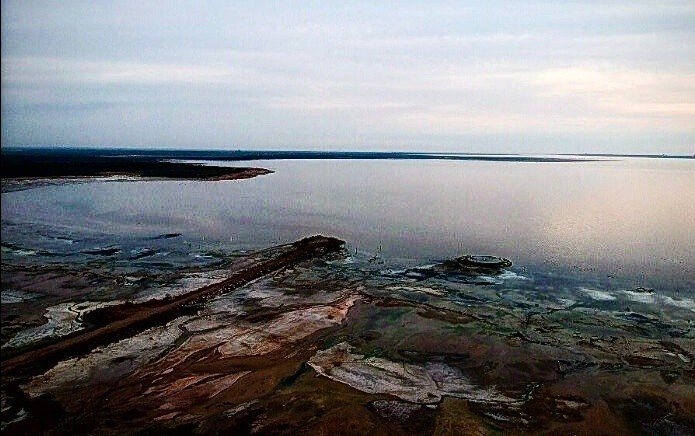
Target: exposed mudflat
[334, 343]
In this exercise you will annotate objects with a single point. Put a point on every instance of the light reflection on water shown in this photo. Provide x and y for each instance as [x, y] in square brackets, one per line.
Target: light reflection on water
[633, 217]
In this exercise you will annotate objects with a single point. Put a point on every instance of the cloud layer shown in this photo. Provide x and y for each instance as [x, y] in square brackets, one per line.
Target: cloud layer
[446, 76]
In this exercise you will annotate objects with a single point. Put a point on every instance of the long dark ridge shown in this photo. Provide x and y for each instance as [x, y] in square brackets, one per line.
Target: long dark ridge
[150, 160]
[114, 323]
[44, 163]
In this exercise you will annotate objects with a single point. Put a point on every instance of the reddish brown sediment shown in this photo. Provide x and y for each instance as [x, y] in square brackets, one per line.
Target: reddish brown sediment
[310, 349]
[116, 322]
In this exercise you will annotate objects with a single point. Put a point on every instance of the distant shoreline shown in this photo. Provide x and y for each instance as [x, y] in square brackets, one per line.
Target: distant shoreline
[28, 168]
[246, 155]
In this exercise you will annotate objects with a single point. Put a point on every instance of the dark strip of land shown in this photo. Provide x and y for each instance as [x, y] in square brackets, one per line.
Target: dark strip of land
[113, 323]
[62, 163]
[72, 162]
[55, 162]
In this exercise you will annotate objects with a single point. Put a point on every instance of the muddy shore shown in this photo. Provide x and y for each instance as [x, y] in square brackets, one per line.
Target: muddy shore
[112, 323]
[297, 340]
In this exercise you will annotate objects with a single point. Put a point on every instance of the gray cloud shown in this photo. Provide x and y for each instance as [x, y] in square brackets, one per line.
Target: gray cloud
[499, 76]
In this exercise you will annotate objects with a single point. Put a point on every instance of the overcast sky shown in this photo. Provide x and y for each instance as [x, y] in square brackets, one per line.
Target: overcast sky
[490, 76]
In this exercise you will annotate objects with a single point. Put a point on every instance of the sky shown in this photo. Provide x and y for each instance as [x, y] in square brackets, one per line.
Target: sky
[493, 76]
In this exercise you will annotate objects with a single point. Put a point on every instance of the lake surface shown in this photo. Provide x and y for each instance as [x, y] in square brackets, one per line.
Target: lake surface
[628, 218]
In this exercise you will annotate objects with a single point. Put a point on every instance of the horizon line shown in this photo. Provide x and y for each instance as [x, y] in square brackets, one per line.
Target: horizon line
[413, 153]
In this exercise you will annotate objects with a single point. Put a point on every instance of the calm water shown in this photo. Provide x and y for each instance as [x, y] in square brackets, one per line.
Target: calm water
[632, 218]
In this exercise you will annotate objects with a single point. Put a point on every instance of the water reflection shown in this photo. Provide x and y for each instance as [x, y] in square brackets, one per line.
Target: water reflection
[632, 217]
